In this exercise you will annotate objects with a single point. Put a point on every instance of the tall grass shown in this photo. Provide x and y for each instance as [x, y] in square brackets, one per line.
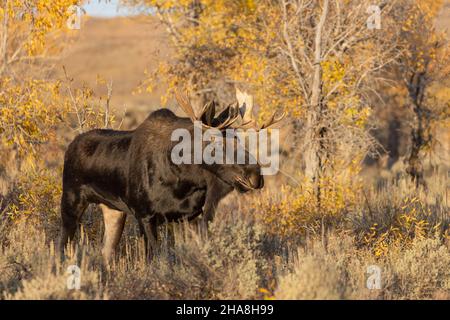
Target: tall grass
[240, 258]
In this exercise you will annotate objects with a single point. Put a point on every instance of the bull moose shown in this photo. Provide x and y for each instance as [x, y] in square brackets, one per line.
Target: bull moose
[131, 172]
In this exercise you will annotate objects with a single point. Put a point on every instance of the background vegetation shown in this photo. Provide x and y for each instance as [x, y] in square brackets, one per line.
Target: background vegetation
[365, 149]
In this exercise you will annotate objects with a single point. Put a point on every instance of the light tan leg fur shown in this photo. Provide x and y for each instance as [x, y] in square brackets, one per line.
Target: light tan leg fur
[114, 223]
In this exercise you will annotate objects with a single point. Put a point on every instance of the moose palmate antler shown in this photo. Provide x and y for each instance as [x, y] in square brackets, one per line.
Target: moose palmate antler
[242, 109]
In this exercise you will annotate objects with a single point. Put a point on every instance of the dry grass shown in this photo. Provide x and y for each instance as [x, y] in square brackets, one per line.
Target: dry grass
[238, 259]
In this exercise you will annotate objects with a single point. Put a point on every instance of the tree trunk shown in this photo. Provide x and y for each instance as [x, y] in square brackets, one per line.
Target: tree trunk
[314, 153]
[415, 167]
[418, 141]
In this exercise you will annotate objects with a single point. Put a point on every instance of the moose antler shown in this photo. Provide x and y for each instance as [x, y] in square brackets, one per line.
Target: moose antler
[226, 118]
[185, 104]
[242, 109]
[245, 100]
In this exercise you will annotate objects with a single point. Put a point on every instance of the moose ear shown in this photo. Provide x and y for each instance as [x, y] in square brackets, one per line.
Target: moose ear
[240, 96]
[245, 102]
[208, 113]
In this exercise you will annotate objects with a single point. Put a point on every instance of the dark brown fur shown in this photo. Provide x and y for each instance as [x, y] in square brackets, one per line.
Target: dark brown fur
[131, 172]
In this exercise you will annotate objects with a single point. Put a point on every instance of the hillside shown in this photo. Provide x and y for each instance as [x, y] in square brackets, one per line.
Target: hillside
[118, 49]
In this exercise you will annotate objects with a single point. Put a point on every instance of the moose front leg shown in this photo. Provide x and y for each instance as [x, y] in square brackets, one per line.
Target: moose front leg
[217, 190]
[149, 228]
[73, 205]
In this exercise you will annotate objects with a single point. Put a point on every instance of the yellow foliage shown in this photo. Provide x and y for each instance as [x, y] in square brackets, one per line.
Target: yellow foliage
[38, 196]
[296, 211]
[33, 21]
[29, 108]
[411, 221]
[33, 110]
[223, 42]
[29, 113]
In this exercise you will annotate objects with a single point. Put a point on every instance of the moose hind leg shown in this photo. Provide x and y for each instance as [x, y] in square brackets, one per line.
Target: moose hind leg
[114, 223]
[73, 206]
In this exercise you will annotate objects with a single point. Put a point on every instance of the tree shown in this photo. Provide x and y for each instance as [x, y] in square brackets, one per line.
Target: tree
[30, 33]
[423, 65]
[316, 59]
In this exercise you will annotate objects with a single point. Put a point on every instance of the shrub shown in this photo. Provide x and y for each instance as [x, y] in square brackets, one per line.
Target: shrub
[411, 219]
[294, 211]
[421, 271]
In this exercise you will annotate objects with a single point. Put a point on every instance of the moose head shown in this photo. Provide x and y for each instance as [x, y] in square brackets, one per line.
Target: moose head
[224, 136]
